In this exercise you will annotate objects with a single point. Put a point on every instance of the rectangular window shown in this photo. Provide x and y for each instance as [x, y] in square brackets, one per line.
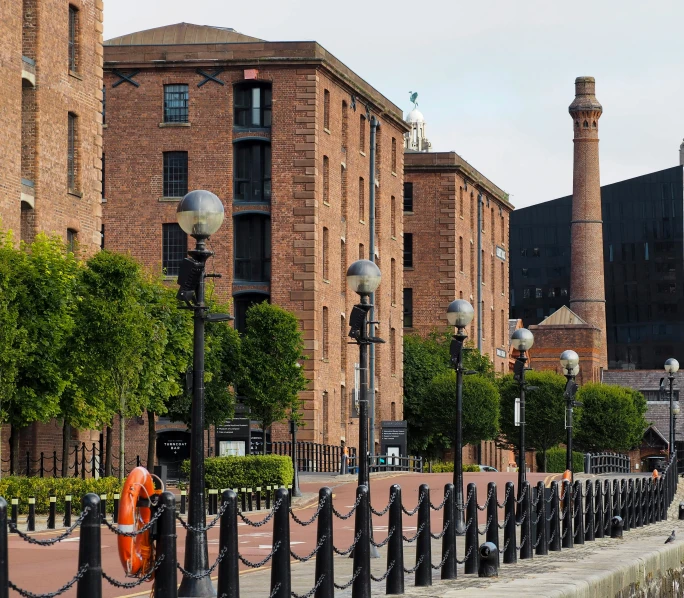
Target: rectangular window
[343, 344]
[503, 230]
[175, 103]
[394, 154]
[175, 174]
[326, 109]
[503, 278]
[72, 153]
[408, 250]
[538, 293]
[503, 329]
[393, 274]
[71, 240]
[326, 180]
[460, 201]
[393, 350]
[408, 197]
[408, 308]
[103, 178]
[362, 133]
[252, 172]
[345, 126]
[472, 211]
[326, 255]
[73, 39]
[460, 254]
[253, 105]
[343, 190]
[343, 264]
[393, 216]
[174, 248]
[253, 248]
[325, 333]
[362, 199]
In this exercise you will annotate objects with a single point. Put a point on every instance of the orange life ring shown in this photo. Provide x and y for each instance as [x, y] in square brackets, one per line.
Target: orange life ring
[567, 475]
[136, 553]
[656, 475]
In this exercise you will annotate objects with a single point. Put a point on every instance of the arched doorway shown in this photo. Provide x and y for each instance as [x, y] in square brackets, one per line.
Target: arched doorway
[173, 447]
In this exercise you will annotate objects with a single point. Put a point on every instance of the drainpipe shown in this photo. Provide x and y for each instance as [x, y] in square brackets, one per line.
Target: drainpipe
[479, 272]
[374, 124]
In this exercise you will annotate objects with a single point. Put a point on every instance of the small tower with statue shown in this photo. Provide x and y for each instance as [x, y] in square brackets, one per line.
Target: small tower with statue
[416, 140]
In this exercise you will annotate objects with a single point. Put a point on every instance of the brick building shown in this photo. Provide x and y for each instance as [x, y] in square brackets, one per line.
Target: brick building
[51, 123]
[280, 132]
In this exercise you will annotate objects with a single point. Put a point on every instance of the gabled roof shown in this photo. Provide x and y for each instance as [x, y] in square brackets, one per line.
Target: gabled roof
[182, 33]
[641, 380]
[653, 437]
[563, 316]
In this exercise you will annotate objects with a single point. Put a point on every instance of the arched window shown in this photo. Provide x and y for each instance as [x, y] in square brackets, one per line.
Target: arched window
[252, 247]
[585, 124]
[252, 171]
[252, 104]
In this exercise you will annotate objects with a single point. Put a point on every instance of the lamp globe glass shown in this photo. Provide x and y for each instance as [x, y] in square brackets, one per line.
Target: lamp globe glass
[569, 361]
[200, 214]
[363, 277]
[522, 339]
[460, 313]
[672, 365]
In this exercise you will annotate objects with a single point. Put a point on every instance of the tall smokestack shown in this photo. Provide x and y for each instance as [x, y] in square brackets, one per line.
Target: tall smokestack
[587, 292]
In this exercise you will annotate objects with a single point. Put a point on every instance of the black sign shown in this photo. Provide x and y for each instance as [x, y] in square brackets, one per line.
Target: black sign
[394, 434]
[234, 429]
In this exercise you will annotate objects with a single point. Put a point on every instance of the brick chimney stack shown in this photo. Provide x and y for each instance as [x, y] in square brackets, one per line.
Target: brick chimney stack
[587, 291]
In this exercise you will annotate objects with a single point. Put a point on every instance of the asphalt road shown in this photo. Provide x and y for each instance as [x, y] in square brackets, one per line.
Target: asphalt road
[44, 569]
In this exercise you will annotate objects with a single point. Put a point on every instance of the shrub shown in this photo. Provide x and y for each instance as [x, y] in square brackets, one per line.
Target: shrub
[246, 472]
[42, 488]
[448, 466]
[555, 460]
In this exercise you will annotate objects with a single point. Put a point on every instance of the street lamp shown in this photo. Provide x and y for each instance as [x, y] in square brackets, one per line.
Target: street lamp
[671, 367]
[459, 314]
[522, 340]
[200, 214]
[569, 361]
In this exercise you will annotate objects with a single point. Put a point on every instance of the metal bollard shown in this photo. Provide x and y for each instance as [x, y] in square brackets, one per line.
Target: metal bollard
[268, 498]
[165, 578]
[555, 540]
[652, 501]
[510, 552]
[53, 513]
[258, 498]
[243, 499]
[600, 519]
[616, 526]
[590, 517]
[280, 563]
[15, 513]
[681, 510]
[67, 510]
[542, 523]
[526, 541]
[90, 550]
[578, 533]
[31, 521]
[361, 587]
[663, 499]
[213, 500]
[639, 506]
[250, 504]
[4, 551]
[325, 565]
[103, 506]
[115, 514]
[395, 547]
[449, 568]
[567, 538]
[424, 541]
[472, 556]
[624, 503]
[608, 506]
[492, 518]
[489, 560]
[183, 495]
[228, 571]
[632, 503]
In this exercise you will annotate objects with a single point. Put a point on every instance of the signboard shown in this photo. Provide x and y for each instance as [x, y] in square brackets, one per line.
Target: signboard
[233, 437]
[501, 353]
[517, 412]
[501, 253]
[234, 428]
[394, 439]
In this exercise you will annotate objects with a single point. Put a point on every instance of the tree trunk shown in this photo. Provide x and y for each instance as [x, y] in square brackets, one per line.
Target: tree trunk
[544, 458]
[14, 457]
[66, 441]
[108, 453]
[151, 440]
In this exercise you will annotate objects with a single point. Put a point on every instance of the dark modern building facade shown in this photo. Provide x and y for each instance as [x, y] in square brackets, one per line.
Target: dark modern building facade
[643, 250]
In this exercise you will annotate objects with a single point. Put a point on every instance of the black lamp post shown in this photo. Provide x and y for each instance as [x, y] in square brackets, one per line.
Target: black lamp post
[295, 463]
[671, 367]
[459, 314]
[569, 361]
[200, 214]
[522, 340]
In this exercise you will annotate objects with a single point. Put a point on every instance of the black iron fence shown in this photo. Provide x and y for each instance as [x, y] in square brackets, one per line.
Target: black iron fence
[548, 520]
[606, 463]
[313, 457]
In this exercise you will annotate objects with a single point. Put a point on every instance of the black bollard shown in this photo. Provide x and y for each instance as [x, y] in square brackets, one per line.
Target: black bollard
[31, 521]
[4, 551]
[633, 507]
[53, 513]
[567, 538]
[638, 482]
[652, 501]
[258, 498]
[449, 569]
[492, 534]
[578, 533]
[213, 500]
[361, 588]
[607, 506]
[325, 566]
[624, 503]
[67, 510]
[228, 570]
[90, 550]
[395, 546]
[280, 563]
[510, 551]
[616, 525]
[115, 514]
[472, 555]
[590, 518]
[103, 507]
[542, 538]
[268, 498]
[489, 560]
[555, 539]
[165, 578]
[424, 541]
[681, 510]
[663, 499]
[15, 512]
[183, 495]
[526, 539]
[600, 519]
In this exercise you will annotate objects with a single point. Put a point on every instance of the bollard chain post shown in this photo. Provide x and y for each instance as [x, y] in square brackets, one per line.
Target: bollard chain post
[53, 513]
[542, 524]
[90, 550]
[624, 500]
[361, 587]
[424, 542]
[395, 547]
[165, 578]
[578, 534]
[31, 527]
[228, 571]
[568, 540]
[526, 541]
[471, 533]
[492, 534]
[280, 565]
[67, 510]
[555, 540]
[510, 552]
[449, 568]
[325, 565]
[590, 519]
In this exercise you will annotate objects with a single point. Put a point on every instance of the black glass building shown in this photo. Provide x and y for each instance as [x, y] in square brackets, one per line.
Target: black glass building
[643, 251]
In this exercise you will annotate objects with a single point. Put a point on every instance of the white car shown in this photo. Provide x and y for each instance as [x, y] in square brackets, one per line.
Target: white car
[488, 468]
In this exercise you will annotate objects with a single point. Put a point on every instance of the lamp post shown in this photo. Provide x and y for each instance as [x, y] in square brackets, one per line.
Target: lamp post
[200, 214]
[569, 361]
[671, 367]
[522, 340]
[295, 462]
[459, 314]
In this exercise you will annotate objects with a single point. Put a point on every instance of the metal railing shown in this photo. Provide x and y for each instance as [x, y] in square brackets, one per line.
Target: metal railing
[606, 463]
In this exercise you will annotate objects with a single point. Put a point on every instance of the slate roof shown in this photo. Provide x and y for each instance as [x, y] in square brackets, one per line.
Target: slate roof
[640, 379]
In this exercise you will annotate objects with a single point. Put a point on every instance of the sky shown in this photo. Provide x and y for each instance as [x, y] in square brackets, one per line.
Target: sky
[494, 77]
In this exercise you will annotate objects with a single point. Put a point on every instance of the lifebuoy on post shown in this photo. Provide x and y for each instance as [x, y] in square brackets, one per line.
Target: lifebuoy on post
[137, 552]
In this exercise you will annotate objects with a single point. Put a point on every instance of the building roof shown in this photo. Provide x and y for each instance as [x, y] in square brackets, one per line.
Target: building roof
[415, 116]
[641, 380]
[562, 317]
[181, 33]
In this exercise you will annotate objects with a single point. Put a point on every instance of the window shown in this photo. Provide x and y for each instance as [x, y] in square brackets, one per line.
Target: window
[326, 255]
[538, 293]
[482, 314]
[71, 240]
[393, 216]
[393, 273]
[253, 248]
[362, 133]
[252, 172]
[175, 103]
[408, 308]
[343, 264]
[326, 180]
[345, 126]
[343, 190]
[394, 154]
[325, 333]
[73, 39]
[253, 105]
[241, 303]
[362, 199]
[472, 211]
[175, 174]
[103, 177]
[362, 252]
[393, 411]
[174, 248]
[72, 153]
[503, 278]
[408, 197]
[326, 110]
[343, 344]
[408, 250]
[460, 200]
[526, 293]
[503, 230]
[503, 329]
[460, 254]
[393, 351]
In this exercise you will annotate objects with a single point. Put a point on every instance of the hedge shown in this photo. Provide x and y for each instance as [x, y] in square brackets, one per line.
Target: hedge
[41, 489]
[246, 472]
[555, 460]
[448, 466]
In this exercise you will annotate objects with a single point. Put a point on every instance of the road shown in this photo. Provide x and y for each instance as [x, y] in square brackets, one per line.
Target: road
[45, 569]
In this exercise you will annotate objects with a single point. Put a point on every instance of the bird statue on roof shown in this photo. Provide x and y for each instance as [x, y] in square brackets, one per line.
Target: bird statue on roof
[414, 98]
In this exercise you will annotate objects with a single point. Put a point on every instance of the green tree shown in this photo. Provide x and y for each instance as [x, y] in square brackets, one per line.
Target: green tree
[272, 378]
[612, 418]
[544, 411]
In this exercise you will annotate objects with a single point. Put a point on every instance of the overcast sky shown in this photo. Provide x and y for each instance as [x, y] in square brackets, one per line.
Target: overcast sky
[494, 77]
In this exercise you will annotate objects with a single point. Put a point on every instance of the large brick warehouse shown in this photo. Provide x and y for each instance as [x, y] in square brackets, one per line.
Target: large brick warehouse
[280, 132]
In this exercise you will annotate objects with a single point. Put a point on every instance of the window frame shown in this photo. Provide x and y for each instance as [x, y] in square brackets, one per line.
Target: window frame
[173, 114]
[262, 239]
[173, 189]
[73, 49]
[244, 112]
[261, 182]
[408, 250]
[408, 307]
[408, 185]
[72, 154]
[174, 248]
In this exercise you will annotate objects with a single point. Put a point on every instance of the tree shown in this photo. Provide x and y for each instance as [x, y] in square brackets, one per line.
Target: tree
[272, 347]
[544, 411]
[612, 418]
